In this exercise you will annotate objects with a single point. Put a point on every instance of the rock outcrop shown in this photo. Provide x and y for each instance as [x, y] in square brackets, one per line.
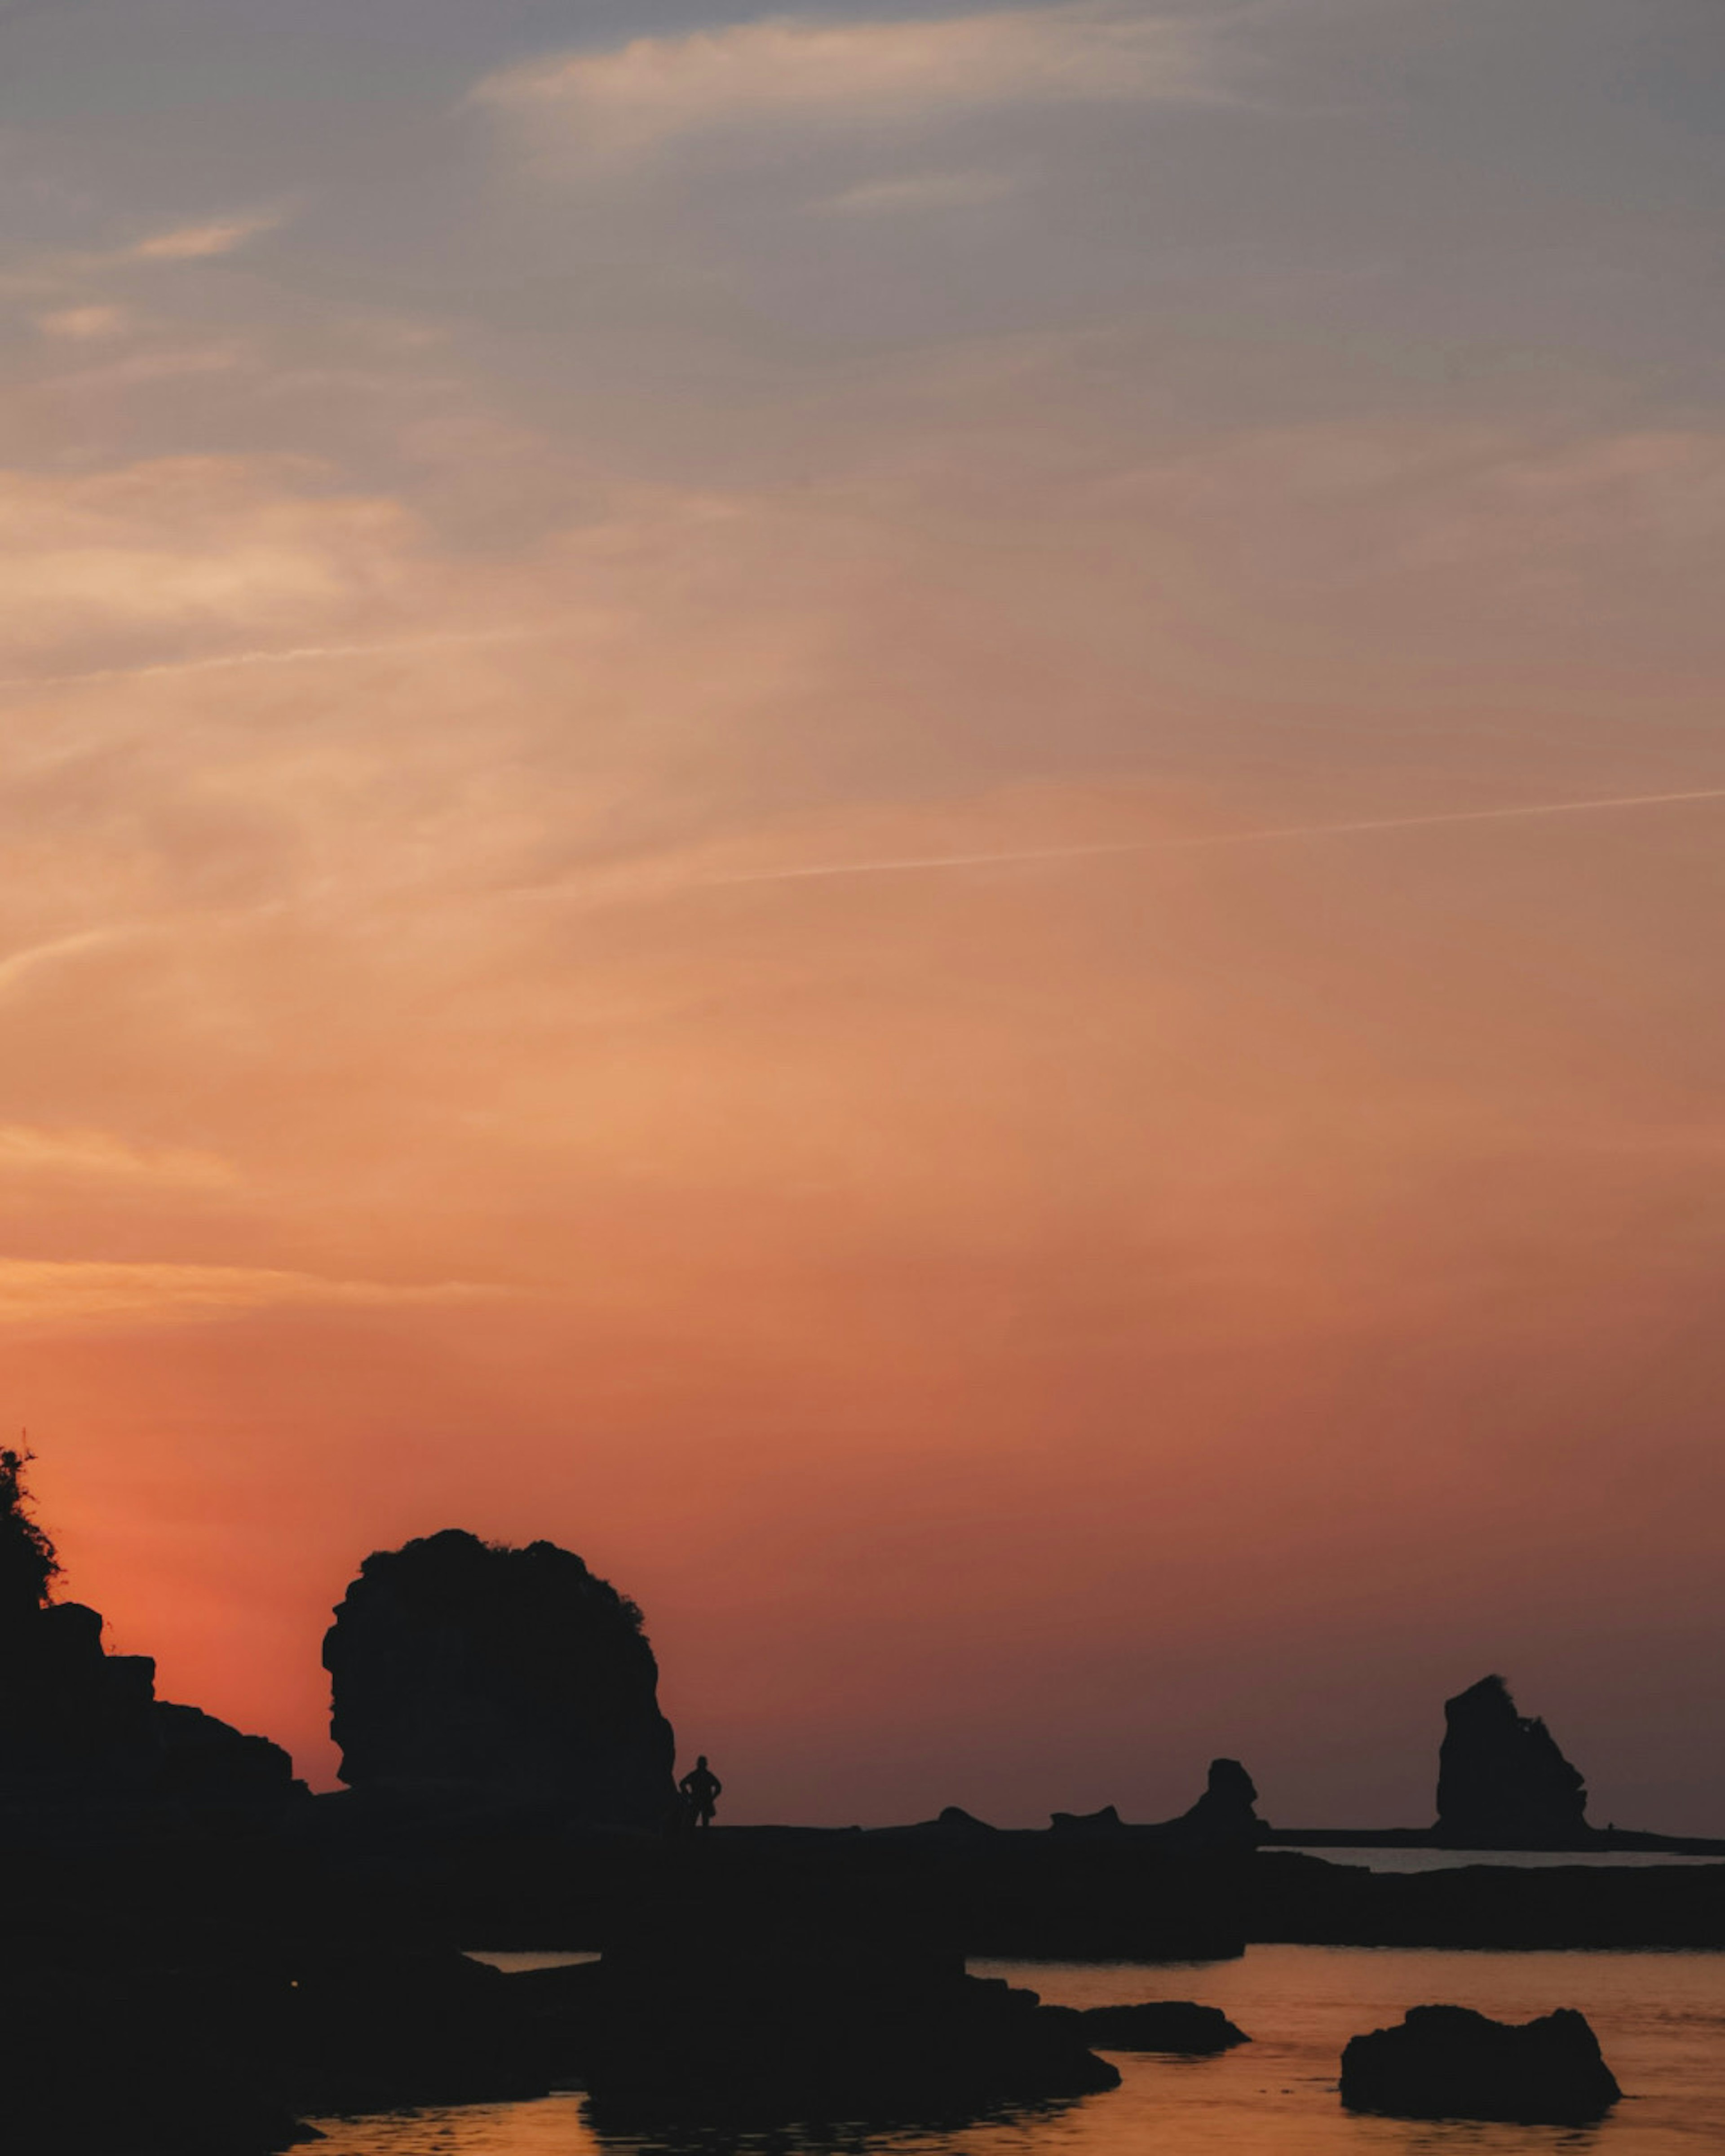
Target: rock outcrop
[463, 1667]
[79, 1727]
[1502, 1783]
[1450, 2062]
[1226, 1816]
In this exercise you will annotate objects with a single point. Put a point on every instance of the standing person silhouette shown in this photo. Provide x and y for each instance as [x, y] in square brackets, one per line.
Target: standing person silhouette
[700, 1788]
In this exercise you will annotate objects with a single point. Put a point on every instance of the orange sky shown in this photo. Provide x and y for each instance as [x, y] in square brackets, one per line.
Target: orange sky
[469, 544]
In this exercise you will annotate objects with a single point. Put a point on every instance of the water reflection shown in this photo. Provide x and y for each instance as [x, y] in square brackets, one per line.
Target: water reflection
[1660, 2019]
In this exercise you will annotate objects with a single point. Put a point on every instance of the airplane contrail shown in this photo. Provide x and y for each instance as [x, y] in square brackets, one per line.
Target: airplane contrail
[297, 654]
[1261, 835]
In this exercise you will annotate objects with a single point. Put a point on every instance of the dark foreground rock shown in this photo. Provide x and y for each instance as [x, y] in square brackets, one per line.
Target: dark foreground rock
[1502, 1782]
[1450, 2062]
[1159, 2025]
[460, 1665]
[796, 2021]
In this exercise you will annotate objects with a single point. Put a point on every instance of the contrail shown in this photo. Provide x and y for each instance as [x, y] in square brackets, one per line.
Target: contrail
[14, 967]
[1263, 834]
[298, 655]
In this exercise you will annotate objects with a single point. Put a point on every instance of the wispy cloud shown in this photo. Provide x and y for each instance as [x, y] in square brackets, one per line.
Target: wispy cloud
[28, 1149]
[296, 654]
[35, 1291]
[201, 243]
[813, 71]
[85, 325]
[20, 965]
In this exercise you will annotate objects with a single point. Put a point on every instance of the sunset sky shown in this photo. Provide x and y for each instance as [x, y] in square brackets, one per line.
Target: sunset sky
[737, 768]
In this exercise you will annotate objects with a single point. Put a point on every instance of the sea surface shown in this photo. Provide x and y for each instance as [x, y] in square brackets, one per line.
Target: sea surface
[1660, 2019]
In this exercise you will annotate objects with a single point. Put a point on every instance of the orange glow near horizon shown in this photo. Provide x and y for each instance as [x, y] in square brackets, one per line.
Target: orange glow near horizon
[483, 558]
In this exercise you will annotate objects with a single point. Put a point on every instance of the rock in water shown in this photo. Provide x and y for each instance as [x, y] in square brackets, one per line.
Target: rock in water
[1160, 2025]
[459, 1664]
[1450, 2062]
[1502, 1783]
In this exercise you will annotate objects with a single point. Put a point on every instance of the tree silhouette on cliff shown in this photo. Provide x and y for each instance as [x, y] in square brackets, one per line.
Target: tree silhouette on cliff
[29, 1566]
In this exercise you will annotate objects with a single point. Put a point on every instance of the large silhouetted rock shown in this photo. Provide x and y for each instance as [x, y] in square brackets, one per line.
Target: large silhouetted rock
[1450, 2062]
[1502, 1783]
[461, 1665]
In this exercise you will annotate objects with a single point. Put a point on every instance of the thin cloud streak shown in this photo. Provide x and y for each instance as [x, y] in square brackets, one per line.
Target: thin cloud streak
[21, 963]
[298, 655]
[911, 864]
[84, 1291]
[797, 70]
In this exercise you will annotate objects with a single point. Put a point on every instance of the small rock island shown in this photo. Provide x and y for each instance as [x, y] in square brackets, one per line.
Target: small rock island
[1502, 1782]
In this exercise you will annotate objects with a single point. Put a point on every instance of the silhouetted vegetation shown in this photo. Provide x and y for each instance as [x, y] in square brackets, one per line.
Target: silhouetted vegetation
[29, 1566]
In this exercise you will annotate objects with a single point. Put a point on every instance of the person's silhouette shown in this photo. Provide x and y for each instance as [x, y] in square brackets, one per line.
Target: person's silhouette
[700, 1788]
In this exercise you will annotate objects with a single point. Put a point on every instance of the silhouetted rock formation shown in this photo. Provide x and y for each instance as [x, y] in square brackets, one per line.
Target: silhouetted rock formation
[77, 1725]
[1450, 2062]
[958, 1820]
[1158, 2025]
[1226, 1816]
[461, 1664]
[1502, 1783]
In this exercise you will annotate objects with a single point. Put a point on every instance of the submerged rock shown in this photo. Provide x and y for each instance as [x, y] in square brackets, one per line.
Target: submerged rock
[463, 1665]
[1161, 2025]
[1450, 2062]
[1502, 1783]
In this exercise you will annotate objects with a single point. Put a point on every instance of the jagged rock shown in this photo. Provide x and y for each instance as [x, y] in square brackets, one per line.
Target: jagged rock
[1502, 1783]
[459, 1665]
[1450, 2062]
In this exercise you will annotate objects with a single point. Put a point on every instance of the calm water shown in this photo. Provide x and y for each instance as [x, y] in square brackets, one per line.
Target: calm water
[1660, 2017]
